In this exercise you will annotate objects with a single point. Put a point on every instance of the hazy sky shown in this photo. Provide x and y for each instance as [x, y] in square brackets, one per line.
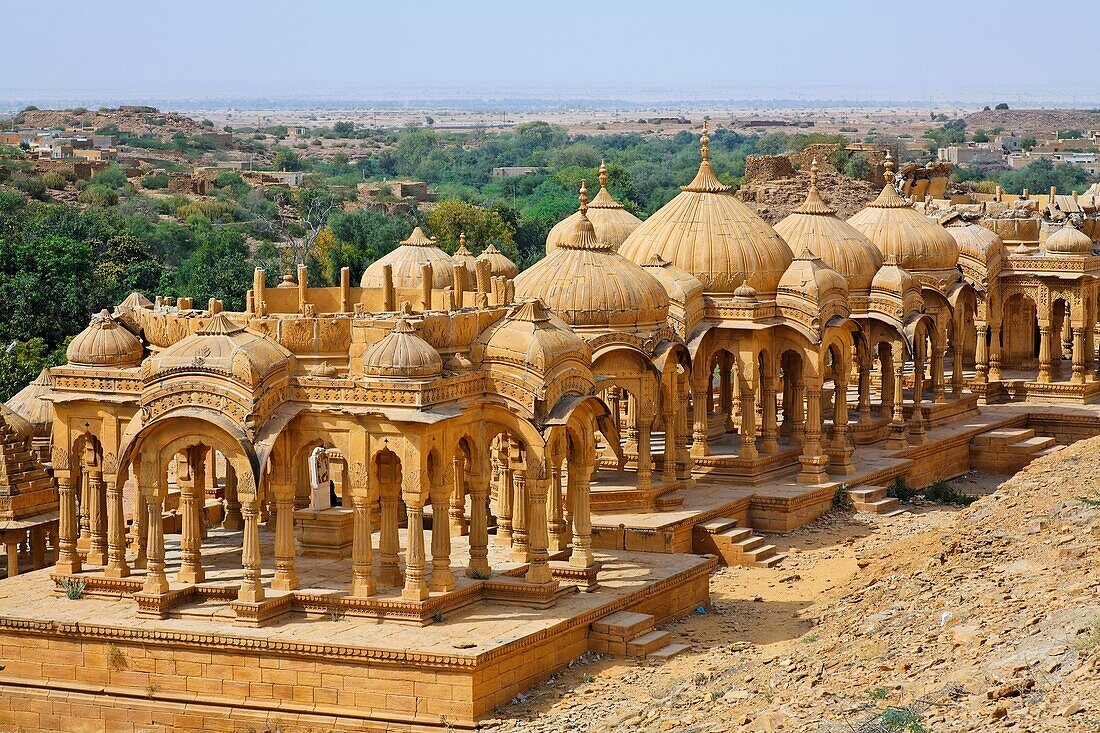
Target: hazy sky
[975, 50]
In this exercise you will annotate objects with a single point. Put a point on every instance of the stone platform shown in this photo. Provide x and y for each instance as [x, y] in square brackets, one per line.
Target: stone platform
[94, 665]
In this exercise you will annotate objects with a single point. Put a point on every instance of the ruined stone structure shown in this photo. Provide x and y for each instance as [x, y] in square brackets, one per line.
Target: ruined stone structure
[399, 504]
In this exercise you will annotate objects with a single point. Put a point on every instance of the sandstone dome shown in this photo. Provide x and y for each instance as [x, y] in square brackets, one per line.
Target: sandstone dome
[406, 261]
[815, 226]
[530, 337]
[463, 256]
[223, 347]
[402, 354]
[1069, 240]
[918, 244]
[612, 222]
[979, 246]
[706, 231]
[587, 283]
[105, 343]
[32, 404]
[499, 264]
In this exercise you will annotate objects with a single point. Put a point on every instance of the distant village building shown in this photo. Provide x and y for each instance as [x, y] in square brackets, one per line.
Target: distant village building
[514, 171]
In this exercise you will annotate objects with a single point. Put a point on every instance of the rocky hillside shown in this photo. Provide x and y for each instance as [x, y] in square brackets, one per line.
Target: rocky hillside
[979, 619]
[774, 199]
[159, 124]
[1034, 121]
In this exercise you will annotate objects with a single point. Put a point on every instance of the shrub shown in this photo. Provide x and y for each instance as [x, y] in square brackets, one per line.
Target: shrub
[155, 181]
[30, 185]
[943, 492]
[54, 180]
[112, 177]
[901, 490]
[858, 167]
[74, 588]
[842, 499]
[98, 195]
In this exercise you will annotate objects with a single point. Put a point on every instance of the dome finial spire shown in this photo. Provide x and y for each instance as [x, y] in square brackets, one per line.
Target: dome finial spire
[813, 174]
[462, 239]
[583, 198]
[704, 143]
[603, 174]
[888, 165]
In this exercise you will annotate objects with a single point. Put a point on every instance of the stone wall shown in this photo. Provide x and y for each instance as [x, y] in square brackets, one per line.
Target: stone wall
[821, 152]
[767, 167]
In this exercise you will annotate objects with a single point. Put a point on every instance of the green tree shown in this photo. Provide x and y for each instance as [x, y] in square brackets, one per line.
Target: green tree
[220, 267]
[22, 361]
[482, 227]
[1002, 105]
[362, 236]
[286, 159]
[44, 287]
[858, 167]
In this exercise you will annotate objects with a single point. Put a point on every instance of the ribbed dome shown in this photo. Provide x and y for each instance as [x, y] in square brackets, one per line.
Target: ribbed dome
[407, 260]
[32, 405]
[462, 256]
[918, 243]
[814, 226]
[498, 262]
[530, 337]
[612, 222]
[706, 231]
[402, 354]
[1069, 240]
[587, 283]
[808, 277]
[978, 245]
[680, 284]
[105, 343]
[223, 347]
[895, 279]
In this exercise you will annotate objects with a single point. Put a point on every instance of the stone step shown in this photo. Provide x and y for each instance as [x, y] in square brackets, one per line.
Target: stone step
[880, 506]
[1048, 451]
[1002, 437]
[736, 534]
[717, 525]
[625, 625]
[896, 512]
[770, 560]
[750, 543]
[668, 502]
[647, 643]
[668, 652]
[1032, 445]
[867, 494]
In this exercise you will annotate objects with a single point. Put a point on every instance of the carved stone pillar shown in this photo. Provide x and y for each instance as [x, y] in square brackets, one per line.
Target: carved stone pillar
[981, 355]
[579, 499]
[841, 458]
[769, 429]
[748, 424]
[916, 420]
[197, 456]
[813, 458]
[416, 588]
[442, 579]
[1067, 337]
[555, 519]
[190, 538]
[233, 518]
[285, 576]
[699, 402]
[683, 458]
[479, 524]
[938, 392]
[725, 392]
[995, 353]
[538, 569]
[645, 454]
[520, 501]
[1044, 354]
[899, 437]
[362, 571]
[505, 496]
[798, 414]
[116, 533]
[1078, 345]
[388, 541]
[68, 559]
[459, 525]
[156, 582]
[97, 516]
[865, 392]
[252, 590]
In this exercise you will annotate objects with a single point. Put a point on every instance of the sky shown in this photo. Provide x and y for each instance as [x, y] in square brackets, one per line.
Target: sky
[890, 50]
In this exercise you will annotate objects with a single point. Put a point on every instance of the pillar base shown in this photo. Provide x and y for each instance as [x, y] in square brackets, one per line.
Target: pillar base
[390, 575]
[116, 571]
[67, 567]
[287, 581]
[191, 576]
[813, 469]
[97, 557]
[362, 588]
[441, 580]
[415, 591]
[250, 593]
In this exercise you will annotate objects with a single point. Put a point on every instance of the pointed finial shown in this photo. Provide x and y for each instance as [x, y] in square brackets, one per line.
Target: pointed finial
[462, 239]
[583, 198]
[888, 164]
[603, 174]
[813, 174]
[704, 141]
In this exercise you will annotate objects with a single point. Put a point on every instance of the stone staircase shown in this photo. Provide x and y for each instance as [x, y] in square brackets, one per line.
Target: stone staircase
[734, 545]
[873, 500]
[26, 488]
[629, 634]
[1008, 450]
